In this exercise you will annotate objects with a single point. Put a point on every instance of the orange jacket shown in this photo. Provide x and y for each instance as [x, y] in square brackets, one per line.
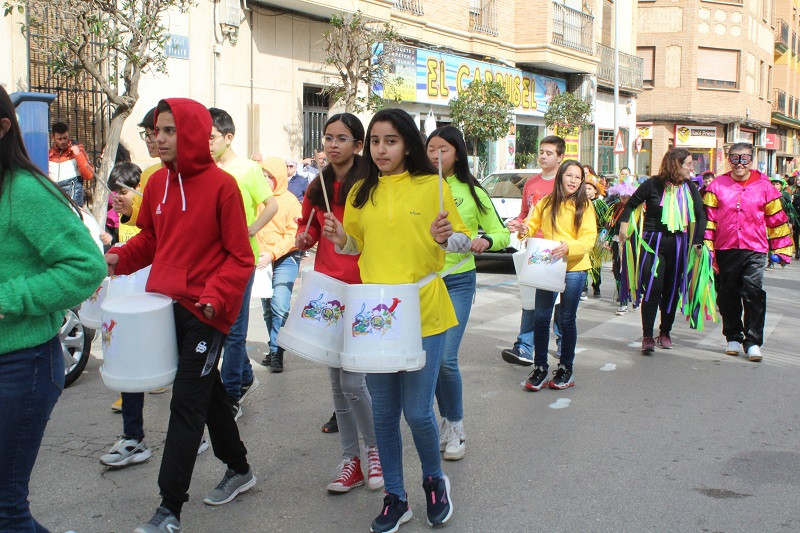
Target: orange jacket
[66, 165]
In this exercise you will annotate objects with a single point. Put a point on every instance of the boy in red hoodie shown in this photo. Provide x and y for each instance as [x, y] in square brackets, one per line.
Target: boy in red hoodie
[193, 232]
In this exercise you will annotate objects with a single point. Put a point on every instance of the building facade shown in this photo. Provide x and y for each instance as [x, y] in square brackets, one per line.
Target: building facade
[783, 138]
[708, 75]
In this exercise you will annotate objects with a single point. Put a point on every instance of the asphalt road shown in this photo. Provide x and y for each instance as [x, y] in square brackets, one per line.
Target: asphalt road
[685, 440]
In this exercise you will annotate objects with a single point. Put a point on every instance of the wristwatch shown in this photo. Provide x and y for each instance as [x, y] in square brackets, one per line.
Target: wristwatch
[488, 239]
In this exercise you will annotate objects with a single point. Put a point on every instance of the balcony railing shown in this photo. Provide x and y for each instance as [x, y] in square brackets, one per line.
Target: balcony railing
[572, 28]
[630, 68]
[779, 101]
[412, 6]
[781, 35]
[483, 16]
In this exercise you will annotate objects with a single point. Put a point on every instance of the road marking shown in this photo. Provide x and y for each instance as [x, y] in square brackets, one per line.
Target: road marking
[561, 403]
[608, 367]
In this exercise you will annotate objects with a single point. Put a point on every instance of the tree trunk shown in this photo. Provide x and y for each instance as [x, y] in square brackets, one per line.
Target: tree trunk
[475, 158]
[99, 205]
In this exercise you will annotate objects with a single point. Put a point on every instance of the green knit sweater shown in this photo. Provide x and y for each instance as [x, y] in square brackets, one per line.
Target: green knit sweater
[48, 261]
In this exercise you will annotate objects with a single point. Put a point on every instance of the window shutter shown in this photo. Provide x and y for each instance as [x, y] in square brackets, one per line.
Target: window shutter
[715, 64]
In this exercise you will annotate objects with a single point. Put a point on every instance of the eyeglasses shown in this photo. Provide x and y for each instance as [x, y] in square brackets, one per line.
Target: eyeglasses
[341, 139]
[740, 159]
[147, 136]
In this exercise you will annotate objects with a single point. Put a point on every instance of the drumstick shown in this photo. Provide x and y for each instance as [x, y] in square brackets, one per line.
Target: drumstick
[441, 192]
[310, 219]
[324, 193]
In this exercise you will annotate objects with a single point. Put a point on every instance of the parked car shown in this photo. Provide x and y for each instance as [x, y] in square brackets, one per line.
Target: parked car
[76, 343]
[505, 190]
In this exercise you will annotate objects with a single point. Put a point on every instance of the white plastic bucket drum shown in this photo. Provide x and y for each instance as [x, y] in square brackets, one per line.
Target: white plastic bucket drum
[527, 294]
[131, 284]
[382, 331]
[140, 350]
[315, 326]
[262, 282]
[539, 269]
[89, 312]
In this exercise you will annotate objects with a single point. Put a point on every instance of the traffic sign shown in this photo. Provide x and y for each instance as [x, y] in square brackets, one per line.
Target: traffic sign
[637, 143]
[619, 145]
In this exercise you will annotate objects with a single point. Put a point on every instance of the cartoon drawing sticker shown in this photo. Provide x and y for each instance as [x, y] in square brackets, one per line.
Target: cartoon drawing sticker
[377, 321]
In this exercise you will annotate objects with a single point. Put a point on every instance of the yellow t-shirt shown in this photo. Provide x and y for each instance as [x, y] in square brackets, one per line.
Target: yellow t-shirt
[254, 188]
[580, 241]
[129, 229]
[392, 232]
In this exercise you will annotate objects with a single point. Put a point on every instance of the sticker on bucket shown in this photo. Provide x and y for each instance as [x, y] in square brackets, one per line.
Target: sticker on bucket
[106, 332]
[323, 311]
[376, 319]
[540, 257]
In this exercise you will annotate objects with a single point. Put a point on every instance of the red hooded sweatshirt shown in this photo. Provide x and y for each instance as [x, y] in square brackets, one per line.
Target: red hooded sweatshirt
[193, 227]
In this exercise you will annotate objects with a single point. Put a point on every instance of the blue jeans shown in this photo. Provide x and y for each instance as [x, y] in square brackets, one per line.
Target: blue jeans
[276, 309]
[236, 367]
[545, 300]
[31, 380]
[74, 189]
[410, 393]
[132, 418]
[524, 342]
[461, 288]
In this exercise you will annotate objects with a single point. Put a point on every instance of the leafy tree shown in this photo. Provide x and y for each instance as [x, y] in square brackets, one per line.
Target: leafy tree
[483, 112]
[115, 42]
[350, 46]
[568, 113]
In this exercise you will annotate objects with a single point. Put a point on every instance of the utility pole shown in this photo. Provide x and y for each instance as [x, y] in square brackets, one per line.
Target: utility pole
[616, 82]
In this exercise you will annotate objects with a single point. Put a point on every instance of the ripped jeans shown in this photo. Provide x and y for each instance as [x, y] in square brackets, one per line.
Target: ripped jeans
[353, 406]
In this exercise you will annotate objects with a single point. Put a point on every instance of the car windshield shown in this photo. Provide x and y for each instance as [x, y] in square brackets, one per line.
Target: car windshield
[505, 184]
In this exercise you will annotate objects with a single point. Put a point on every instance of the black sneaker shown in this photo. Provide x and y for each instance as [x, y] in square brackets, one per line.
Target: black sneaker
[332, 425]
[395, 513]
[236, 409]
[537, 379]
[562, 378]
[437, 496]
[267, 361]
[276, 364]
[516, 357]
[596, 291]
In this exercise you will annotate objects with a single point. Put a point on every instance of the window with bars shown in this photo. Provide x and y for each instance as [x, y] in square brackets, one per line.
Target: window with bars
[717, 68]
[412, 6]
[315, 114]
[483, 16]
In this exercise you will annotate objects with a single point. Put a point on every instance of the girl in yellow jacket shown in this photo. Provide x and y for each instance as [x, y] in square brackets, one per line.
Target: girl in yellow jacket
[567, 216]
[392, 218]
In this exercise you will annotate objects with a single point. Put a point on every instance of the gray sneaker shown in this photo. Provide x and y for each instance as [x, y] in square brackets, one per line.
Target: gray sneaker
[126, 452]
[232, 484]
[162, 522]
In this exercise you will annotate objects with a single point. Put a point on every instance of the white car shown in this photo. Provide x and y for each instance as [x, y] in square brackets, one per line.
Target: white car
[505, 189]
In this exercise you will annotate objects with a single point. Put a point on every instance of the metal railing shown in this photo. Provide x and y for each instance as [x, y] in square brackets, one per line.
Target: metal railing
[782, 33]
[631, 68]
[779, 101]
[483, 18]
[412, 6]
[572, 28]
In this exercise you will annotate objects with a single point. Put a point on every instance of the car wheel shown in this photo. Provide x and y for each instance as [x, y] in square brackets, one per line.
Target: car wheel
[76, 343]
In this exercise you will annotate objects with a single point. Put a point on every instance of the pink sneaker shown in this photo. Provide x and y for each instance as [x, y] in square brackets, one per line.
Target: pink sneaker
[648, 345]
[350, 476]
[665, 342]
[375, 472]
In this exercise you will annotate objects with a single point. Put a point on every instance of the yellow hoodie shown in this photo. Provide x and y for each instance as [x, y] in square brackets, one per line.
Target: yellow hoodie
[277, 237]
[392, 232]
[580, 241]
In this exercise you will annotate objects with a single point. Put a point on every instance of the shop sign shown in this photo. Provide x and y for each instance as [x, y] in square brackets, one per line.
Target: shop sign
[572, 142]
[430, 77]
[772, 141]
[645, 132]
[695, 136]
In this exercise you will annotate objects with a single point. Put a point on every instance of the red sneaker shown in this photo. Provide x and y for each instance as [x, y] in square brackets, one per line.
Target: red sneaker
[648, 345]
[374, 472]
[665, 342]
[350, 476]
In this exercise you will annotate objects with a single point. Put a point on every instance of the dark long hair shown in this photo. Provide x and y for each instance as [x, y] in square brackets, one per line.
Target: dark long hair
[417, 162]
[556, 198]
[328, 176]
[14, 156]
[671, 166]
[455, 139]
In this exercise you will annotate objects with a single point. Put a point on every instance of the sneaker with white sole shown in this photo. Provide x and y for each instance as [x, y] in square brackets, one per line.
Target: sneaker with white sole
[444, 433]
[126, 452]
[733, 348]
[457, 443]
[437, 496]
[247, 388]
[622, 310]
[395, 513]
[754, 353]
[375, 471]
[350, 476]
[163, 521]
[203, 445]
[232, 485]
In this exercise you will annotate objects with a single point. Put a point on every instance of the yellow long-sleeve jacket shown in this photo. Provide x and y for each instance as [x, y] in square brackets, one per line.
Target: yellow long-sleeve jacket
[580, 241]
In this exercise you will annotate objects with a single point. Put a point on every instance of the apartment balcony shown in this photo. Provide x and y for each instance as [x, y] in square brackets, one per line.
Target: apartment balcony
[409, 6]
[781, 36]
[785, 109]
[630, 69]
[565, 43]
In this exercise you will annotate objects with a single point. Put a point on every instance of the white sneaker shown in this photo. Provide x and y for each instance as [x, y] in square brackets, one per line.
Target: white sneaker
[444, 433]
[457, 442]
[754, 353]
[733, 348]
[203, 445]
[126, 452]
[623, 309]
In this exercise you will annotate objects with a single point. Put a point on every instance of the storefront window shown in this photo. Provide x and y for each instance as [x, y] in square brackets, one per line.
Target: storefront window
[702, 159]
[644, 159]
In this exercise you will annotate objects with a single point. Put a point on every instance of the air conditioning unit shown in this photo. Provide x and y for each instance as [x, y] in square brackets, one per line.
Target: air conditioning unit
[732, 133]
[230, 13]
